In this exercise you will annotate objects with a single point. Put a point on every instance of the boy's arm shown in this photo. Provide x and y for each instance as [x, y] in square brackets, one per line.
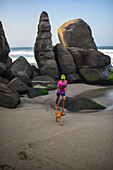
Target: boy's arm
[66, 88]
[58, 88]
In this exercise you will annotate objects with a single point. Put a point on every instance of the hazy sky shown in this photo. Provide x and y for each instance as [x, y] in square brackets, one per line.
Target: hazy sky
[20, 18]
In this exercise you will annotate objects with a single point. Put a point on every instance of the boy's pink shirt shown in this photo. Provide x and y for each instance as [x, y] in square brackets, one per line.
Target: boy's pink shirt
[60, 85]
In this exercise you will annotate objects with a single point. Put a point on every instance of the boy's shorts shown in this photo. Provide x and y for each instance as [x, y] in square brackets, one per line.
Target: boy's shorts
[63, 94]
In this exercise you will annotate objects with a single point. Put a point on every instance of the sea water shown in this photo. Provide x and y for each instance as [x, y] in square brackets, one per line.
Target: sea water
[28, 53]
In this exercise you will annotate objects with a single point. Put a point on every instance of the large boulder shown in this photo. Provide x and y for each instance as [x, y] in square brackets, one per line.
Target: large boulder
[74, 78]
[18, 85]
[43, 81]
[4, 46]
[96, 75]
[43, 48]
[35, 92]
[24, 77]
[76, 33]
[19, 64]
[9, 98]
[81, 103]
[64, 60]
[91, 57]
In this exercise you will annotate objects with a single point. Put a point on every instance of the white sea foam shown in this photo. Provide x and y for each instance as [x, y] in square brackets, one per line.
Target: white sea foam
[13, 53]
[108, 52]
[28, 53]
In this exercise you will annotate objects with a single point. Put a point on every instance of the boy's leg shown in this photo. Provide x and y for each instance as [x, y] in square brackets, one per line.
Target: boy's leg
[57, 102]
[64, 98]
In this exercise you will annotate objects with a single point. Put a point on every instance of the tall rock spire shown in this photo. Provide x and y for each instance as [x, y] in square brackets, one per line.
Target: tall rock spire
[4, 46]
[43, 48]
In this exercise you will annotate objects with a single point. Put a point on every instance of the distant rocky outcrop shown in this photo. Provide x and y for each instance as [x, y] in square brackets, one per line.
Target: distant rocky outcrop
[4, 46]
[43, 48]
[76, 33]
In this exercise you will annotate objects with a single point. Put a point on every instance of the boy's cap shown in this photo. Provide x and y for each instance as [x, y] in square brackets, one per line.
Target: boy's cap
[62, 76]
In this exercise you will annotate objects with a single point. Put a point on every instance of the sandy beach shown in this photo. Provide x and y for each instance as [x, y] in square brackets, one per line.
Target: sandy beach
[30, 138]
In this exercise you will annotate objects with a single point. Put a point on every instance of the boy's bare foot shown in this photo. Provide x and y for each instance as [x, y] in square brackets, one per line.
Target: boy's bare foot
[64, 109]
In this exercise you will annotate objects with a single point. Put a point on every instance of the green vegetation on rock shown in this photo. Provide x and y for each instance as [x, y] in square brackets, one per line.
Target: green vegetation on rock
[51, 87]
[110, 77]
[99, 106]
[41, 92]
[92, 80]
[110, 70]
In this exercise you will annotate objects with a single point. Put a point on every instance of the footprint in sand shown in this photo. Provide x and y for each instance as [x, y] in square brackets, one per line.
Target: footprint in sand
[6, 167]
[23, 155]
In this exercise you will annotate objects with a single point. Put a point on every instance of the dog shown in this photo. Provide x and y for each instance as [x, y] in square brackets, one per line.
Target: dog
[58, 116]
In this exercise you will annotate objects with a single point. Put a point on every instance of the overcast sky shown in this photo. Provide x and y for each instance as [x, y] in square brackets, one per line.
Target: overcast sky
[20, 19]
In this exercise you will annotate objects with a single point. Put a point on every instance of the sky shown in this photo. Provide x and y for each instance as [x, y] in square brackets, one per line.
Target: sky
[20, 19]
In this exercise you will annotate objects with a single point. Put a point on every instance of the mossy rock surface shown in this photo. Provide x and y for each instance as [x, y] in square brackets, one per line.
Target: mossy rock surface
[81, 103]
[99, 106]
[34, 92]
[51, 87]
[108, 80]
[97, 75]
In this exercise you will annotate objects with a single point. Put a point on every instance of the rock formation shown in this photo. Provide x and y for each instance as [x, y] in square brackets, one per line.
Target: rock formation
[76, 33]
[8, 97]
[19, 64]
[81, 103]
[89, 58]
[64, 60]
[4, 47]
[91, 65]
[43, 48]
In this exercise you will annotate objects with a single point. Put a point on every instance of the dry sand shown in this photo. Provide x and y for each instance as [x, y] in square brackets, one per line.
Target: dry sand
[30, 139]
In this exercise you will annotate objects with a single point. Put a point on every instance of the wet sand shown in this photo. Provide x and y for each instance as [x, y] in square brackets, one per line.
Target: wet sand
[30, 139]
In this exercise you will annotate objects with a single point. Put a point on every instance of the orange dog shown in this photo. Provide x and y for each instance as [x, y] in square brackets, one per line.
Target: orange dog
[58, 115]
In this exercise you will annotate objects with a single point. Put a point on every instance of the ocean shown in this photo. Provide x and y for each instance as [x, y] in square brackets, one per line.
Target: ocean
[28, 53]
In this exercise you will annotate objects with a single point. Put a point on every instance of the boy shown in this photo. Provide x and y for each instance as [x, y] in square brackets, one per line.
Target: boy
[62, 84]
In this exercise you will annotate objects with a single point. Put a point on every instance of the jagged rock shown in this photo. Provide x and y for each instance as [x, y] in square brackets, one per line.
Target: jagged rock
[9, 98]
[43, 48]
[2, 68]
[96, 75]
[73, 78]
[91, 58]
[9, 62]
[35, 71]
[76, 33]
[4, 47]
[64, 60]
[24, 77]
[43, 81]
[4, 81]
[18, 85]
[34, 92]
[81, 103]
[20, 64]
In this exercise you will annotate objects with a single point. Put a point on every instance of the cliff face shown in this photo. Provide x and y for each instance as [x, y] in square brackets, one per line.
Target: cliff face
[4, 46]
[43, 48]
